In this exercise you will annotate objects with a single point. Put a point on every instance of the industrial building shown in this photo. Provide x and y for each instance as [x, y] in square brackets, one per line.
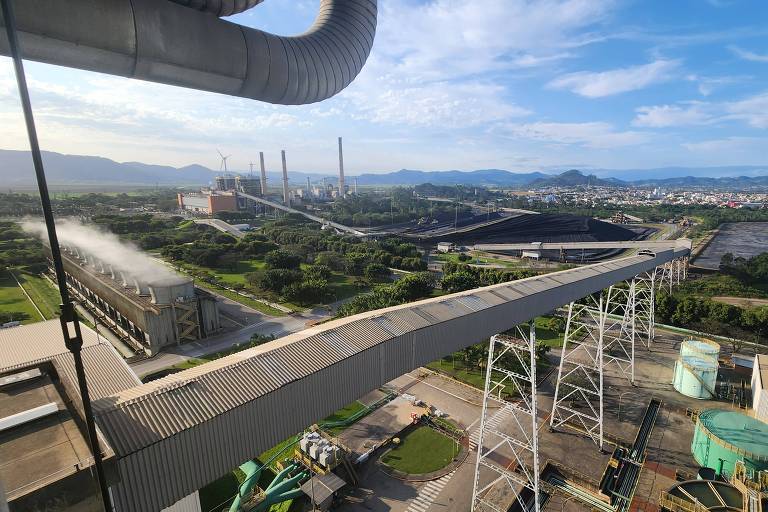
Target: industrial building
[208, 202]
[147, 314]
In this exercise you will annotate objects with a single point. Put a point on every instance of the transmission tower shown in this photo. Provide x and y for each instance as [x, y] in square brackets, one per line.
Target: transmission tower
[619, 330]
[645, 307]
[579, 390]
[508, 449]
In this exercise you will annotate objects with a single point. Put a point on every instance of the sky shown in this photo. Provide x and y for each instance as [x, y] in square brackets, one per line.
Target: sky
[453, 84]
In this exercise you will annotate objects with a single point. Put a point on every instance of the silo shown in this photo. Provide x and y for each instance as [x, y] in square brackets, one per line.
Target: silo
[700, 347]
[695, 376]
[723, 437]
[696, 368]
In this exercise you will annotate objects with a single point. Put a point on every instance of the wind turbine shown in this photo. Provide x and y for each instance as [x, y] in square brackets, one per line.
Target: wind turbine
[223, 165]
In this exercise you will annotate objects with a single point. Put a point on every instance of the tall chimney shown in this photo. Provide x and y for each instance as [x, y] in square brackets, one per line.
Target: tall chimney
[342, 190]
[309, 188]
[263, 175]
[355, 185]
[286, 193]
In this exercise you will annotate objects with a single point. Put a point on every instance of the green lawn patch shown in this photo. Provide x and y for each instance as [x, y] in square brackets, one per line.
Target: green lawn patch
[258, 306]
[342, 415]
[13, 300]
[217, 495]
[422, 450]
[43, 294]
[546, 336]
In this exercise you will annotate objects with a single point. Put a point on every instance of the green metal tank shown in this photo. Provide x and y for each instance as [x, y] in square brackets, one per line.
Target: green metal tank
[695, 376]
[700, 347]
[723, 437]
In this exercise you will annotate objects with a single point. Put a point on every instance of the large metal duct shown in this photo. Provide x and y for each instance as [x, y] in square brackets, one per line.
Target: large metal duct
[167, 42]
[220, 7]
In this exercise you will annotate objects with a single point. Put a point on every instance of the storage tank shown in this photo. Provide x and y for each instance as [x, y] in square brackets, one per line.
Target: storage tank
[700, 495]
[700, 347]
[722, 437]
[695, 376]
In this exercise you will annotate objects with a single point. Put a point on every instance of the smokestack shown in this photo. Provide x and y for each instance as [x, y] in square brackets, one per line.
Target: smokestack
[355, 185]
[309, 188]
[286, 193]
[342, 190]
[263, 175]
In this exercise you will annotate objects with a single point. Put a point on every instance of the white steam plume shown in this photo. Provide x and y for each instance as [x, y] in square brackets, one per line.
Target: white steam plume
[109, 249]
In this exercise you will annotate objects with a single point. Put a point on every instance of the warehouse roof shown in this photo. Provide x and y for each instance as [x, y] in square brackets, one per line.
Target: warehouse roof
[173, 423]
[34, 343]
[41, 342]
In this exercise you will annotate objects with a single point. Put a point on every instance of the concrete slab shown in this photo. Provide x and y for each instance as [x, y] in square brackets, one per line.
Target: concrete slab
[379, 426]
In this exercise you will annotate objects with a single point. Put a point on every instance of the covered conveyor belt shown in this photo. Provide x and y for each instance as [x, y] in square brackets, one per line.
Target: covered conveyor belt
[315, 218]
[198, 424]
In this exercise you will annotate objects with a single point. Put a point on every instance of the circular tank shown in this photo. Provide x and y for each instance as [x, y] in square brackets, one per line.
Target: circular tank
[711, 495]
[695, 376]
[700, 347]
[723, 437]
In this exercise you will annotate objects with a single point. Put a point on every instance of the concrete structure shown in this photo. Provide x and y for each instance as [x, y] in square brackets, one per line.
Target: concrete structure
[225, 182]
[209, 202]
[446, 247]
[722, 438]
[224, 227]
[286, 192]
[263, 176]
[167, 42]
[760, 387]
[147, 315]
[174, 425]
[342, 186]
[563, 246]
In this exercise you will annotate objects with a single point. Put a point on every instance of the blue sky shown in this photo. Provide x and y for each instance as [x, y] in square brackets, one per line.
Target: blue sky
[455, 84]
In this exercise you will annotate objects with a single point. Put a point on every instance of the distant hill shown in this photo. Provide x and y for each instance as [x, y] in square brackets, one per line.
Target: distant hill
[485, 177]
[78, 171]
[574, 178]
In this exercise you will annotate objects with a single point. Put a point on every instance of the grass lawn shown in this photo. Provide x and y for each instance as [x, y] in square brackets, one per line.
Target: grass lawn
[217, 495]
[44, 295]
[423, 450]
[258, 306]
[197, 361]
[342, 414]
[13, 300]
[545, 336]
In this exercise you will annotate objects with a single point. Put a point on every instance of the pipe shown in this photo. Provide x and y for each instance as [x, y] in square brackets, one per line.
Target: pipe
[162, 41]
[220, 7]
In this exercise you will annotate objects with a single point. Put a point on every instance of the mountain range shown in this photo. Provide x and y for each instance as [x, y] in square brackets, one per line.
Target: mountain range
[91, 172]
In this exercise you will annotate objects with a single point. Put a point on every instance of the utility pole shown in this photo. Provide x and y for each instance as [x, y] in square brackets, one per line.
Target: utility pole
[68, 318]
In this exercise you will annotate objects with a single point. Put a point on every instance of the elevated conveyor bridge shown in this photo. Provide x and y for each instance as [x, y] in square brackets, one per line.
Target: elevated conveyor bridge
[175, 435]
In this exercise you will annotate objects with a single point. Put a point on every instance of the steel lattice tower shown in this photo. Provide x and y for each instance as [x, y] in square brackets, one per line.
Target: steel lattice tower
[579, 389]
[508, 449]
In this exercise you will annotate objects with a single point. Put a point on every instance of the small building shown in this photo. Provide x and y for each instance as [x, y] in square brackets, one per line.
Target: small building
[759, 387]
[322, 489]
[533, 253]
[446, 247]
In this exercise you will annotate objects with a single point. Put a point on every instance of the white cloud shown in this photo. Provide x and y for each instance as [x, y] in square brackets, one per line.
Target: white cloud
[752, 110]
[596, 135]
[615, 81]
[748, 55]
[444, 39]
[728, 145]
[663, 116]
[438, 104]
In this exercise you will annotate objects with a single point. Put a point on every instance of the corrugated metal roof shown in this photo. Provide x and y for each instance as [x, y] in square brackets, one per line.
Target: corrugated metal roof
[30, 344]
[260, 394]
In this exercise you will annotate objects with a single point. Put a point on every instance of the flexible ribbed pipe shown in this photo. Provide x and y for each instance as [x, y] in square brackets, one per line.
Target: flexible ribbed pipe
[170, 43]
[220, 7]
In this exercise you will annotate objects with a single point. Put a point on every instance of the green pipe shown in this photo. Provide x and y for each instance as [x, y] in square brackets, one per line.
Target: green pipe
[280, 476]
